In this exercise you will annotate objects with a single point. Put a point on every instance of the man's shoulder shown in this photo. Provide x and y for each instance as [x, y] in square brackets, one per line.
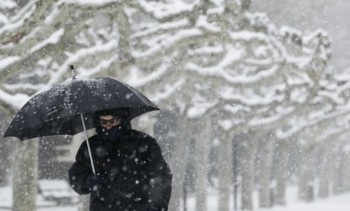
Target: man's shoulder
[146, 143]
[142, 137]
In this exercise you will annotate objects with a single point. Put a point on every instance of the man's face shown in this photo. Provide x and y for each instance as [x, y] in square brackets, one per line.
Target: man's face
[109, 121]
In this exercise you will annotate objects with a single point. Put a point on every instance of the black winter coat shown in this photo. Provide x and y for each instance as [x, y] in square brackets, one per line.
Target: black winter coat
[133, 176]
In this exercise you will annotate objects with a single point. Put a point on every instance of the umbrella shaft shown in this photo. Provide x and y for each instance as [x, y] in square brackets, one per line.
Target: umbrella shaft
[88, 144]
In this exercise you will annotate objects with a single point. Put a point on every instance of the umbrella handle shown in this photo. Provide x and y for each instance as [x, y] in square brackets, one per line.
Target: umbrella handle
[88, 144]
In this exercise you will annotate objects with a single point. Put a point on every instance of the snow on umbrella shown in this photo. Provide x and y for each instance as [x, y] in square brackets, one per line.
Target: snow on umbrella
[68, 109]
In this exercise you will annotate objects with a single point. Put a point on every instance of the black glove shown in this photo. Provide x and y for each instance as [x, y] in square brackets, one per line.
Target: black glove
[92, 180]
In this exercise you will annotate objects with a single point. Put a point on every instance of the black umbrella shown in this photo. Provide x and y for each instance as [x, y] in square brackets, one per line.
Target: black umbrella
[68, 109]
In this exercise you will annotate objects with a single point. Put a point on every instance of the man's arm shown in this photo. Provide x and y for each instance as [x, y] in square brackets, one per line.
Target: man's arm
[79, 172]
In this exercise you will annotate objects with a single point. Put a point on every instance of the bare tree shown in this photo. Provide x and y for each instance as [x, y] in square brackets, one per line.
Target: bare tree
[265, 166]
[25, 176]
[282, 153]
[178, 163]
[202, 154]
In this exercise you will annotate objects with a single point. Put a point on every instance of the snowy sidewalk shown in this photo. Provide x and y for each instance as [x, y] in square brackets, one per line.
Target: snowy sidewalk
[333, 203]
[42, 204]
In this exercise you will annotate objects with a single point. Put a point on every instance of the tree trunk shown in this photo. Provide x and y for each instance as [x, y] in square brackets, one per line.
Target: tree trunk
[225, 170]
[265, 171]
[25, 180]
[202, 154]
[235, 168]
[178, 164]
[346, 171]
[6, 160]
[337, 172]
[306, 173]
[282, 158]
[325, 171]
[249, 150]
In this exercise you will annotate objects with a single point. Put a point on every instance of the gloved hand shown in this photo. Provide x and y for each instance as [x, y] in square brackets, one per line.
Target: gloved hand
[92, 180]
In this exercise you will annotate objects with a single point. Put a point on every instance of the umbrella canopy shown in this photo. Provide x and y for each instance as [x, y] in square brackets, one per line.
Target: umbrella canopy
[58, 110]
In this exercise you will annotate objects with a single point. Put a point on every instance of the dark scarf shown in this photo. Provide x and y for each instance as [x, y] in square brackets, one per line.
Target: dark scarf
[115, 133]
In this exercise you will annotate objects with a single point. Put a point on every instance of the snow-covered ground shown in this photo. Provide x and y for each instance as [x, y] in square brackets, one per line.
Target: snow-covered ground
[334, 203]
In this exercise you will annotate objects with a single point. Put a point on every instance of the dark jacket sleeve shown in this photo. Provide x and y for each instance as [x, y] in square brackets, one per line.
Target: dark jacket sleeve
[160, 178]
[80, 170]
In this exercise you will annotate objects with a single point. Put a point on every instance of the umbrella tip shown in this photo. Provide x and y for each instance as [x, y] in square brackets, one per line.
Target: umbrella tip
[73, 72]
